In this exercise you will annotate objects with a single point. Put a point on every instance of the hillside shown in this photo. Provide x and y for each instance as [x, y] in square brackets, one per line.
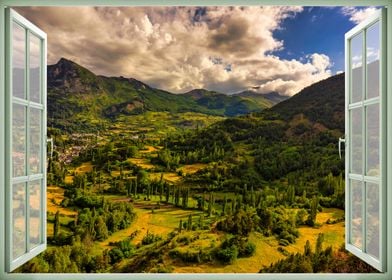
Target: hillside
[267, 99]
[78, 97]
[322, 102]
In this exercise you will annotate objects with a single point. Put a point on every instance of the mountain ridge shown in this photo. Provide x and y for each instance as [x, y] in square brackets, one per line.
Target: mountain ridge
[76, 94]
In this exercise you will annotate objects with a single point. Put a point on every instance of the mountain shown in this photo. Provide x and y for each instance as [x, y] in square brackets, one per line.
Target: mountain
[320, 103]
[78, 96]
[268, 99]
[231, 105]
[316, 111]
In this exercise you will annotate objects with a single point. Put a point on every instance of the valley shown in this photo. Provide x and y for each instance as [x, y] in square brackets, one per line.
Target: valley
[146, 181]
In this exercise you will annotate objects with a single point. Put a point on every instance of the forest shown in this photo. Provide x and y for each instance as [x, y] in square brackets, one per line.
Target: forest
[180, 192]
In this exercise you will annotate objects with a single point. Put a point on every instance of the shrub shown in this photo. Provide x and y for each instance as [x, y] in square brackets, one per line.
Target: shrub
[247, 250]
[227, 255]
[150, 238]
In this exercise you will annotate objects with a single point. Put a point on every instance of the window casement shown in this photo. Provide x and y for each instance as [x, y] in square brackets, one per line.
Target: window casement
[368, 148]
[25, 152]
[365, 113]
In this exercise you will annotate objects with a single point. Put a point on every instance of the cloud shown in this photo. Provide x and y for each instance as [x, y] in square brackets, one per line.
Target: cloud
[357, 14]
[227, 49]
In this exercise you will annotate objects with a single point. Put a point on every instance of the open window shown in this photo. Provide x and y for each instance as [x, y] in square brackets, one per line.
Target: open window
[366, 141]
[26, 140]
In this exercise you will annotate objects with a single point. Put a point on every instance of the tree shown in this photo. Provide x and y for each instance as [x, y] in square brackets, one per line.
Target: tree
[290, 195]
[307, 249]
[180, 226]
[56, 226]
[211, 204]
[224, 206]
[189, 225]
[101, 231]
[142, 177]
[311, 221]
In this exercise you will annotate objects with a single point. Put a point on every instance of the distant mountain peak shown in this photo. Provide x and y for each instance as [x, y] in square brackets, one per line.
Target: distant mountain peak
[200, 93]
[71, 77]
[274, 96]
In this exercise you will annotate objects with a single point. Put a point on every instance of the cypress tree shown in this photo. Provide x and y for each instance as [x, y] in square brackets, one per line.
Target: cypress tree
[189, 222]
[56, 226]
[180, 226]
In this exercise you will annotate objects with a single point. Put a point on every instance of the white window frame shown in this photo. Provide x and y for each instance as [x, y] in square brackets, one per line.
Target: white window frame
[379, 16]
[388, 153]
[13, 17]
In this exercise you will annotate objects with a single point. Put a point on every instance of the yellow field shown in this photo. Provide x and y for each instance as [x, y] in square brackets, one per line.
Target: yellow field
[148, 149]
[55, 195]
[333, 234]
[192, 168]
[84, 168]
[167, 176]
[142, 162]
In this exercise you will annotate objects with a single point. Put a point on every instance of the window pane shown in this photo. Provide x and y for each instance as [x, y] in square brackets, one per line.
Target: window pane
[373, 140]
[35, 141]
[373, 60]
[356, 68]
[18, 220]
[356, 141]
[18, 140]
[373, 219]
[18, 60]
[35, 209]
[35, 69]
[356, 213]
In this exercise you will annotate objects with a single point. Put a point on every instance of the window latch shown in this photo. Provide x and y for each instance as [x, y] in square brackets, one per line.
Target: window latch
[341, 140]
[50, 140]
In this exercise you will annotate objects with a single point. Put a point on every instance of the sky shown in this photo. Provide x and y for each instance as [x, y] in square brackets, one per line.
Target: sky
[226, 49]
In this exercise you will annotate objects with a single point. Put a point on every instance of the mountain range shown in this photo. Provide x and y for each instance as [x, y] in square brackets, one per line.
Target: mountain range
[78, 96]
[75, 94]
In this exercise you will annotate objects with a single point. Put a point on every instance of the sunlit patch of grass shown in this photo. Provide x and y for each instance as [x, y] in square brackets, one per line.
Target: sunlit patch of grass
[142, 162]
[167, 176]
[85, 167]
[55, 195]
[68, 179]
[192, 168]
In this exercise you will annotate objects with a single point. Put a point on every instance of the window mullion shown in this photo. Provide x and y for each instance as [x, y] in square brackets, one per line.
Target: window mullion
[364, 142]
[27, 137]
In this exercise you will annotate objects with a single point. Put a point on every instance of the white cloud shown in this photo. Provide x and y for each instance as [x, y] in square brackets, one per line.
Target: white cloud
[181, 48]
[358, 14]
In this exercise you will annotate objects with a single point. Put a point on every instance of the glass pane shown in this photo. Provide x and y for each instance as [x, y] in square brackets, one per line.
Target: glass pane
[356, 68]
[35, 141]
[356, 213]
[35, 69]
[373, 219]
[35, 208]
[18, 220]
[18, 140]
[356, 141]
[18, 60]
[373, 60]
[373, 140]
